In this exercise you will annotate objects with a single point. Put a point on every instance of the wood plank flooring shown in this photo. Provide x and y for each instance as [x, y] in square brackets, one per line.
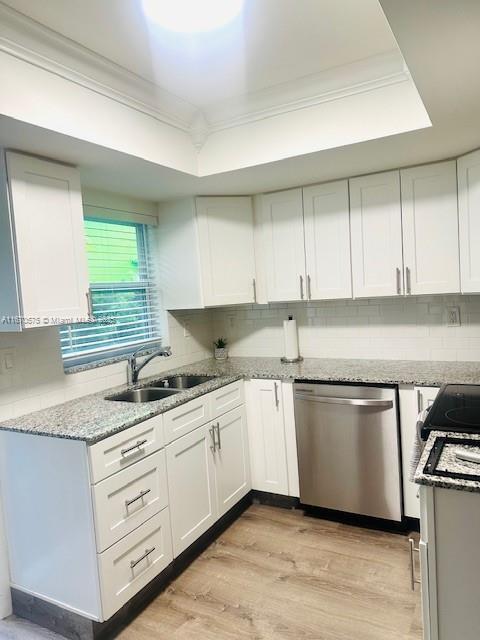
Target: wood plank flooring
[276, 574]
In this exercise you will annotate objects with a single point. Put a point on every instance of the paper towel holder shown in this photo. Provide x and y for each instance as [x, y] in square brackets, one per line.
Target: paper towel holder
[284, 360]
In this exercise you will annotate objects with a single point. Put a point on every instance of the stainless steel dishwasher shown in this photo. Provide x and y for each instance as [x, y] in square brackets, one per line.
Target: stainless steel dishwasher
[348, 449]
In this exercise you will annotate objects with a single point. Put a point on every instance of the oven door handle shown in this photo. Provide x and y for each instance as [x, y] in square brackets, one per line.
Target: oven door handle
[358, 402]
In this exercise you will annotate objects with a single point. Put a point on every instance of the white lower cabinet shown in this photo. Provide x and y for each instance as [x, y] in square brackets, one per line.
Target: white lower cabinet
[191, 487]
[450, 563]
[125, 500]
[130, 564]
[412, 401]
[208, 472]
[231, 459]
[269, 429]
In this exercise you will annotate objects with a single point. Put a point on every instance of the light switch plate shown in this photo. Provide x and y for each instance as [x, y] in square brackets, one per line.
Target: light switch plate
[453, 316]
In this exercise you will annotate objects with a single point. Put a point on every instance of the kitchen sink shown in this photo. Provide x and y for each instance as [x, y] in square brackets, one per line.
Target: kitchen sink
[147, 394]
[183, 382]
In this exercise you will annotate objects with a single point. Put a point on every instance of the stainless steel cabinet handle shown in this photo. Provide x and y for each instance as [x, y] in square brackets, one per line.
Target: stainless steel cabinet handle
[413, 549]
[419, 401]
[254, 290]
[301, 287]
[409, 279]
[399, 281]
[309, 287]
[359, 402]
[133, 563]
[277, 402]
[134, 447]
[213, 446]
[219, 439]
[89, 303]
[141, 495]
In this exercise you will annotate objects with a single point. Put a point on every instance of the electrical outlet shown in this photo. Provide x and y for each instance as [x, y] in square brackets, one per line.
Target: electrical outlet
[453, 317]
[186, 329]
[231, 321]
[7, 361]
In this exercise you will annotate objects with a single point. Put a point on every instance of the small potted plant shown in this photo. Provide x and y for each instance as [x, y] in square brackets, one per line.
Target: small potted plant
[221, 351]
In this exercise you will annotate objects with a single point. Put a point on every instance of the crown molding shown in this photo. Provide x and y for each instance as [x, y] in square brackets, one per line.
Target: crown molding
[28, 40]
[32, 42]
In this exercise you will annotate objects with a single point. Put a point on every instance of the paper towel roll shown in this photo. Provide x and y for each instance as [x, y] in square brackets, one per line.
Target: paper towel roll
[291, 339]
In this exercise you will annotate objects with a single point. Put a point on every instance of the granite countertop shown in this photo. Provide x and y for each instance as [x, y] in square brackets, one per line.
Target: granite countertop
[92, 418]
[448, 462]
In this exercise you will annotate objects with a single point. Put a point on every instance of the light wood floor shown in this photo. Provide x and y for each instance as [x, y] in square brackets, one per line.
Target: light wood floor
[276, 574]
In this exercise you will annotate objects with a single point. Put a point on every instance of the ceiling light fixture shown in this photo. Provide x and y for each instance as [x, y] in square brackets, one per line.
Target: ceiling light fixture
[191, 16]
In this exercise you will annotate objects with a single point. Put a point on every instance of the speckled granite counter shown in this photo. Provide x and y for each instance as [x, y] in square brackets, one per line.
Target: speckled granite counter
[92, 418]
[448, 462]
[343, 370]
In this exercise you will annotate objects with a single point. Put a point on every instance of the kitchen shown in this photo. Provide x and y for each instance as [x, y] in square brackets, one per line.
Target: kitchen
[240, 325]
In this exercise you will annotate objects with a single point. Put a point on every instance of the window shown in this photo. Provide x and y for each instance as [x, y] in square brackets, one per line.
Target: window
[123, 292]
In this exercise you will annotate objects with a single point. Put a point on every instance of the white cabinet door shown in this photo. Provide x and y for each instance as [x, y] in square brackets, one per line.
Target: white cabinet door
[232, 468]
[430, 228]
[191, 487]
[227, 259]
[376, 233]
[49, 235]
[327, 241]
[266, 435]
[282, 216]
[412, 401]
[469, 221]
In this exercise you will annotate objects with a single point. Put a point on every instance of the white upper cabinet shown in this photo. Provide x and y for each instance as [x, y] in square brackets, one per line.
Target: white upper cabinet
[469, 221]
[282, 218]
[327, 241]
[376, 235]
[43, 262]
[227, 259]
[430, 229]
[206, 252]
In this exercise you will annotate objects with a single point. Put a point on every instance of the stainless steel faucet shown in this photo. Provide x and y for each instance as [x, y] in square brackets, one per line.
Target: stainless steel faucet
[133, 368]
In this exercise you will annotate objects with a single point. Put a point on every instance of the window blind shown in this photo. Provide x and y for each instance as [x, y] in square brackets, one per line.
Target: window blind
[123, 292]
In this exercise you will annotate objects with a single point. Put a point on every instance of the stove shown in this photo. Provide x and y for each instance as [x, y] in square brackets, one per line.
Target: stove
[455, 409]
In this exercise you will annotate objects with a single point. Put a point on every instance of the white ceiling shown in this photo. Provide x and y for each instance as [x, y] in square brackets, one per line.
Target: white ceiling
[439, 41]
[272, 42]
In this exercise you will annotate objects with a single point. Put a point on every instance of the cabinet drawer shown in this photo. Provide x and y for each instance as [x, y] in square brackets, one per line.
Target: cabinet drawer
[130, 564]
[123, 449]
[126, 500]
[226, 398]
[187, 417]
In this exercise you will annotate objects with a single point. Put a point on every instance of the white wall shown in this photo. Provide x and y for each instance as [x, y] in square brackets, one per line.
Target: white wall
[394, 328]
[39, 381]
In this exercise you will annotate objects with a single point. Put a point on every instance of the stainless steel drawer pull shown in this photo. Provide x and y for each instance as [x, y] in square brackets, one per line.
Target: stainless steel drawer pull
[213, 446]
[309, 287]
[399, 281]
[141, 495]
[359, 402]
[301, 287]
[219, 439]
[133, 563]
[134, 447]
[413, 549]
[277, 402]
[409, 279]
[254, 290]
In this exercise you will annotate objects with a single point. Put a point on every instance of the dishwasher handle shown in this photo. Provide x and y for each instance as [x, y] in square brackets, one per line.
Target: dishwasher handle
[358, 402]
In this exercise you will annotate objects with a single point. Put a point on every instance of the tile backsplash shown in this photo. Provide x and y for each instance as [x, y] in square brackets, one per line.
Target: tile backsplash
[38, 380]
[390, 328]
[412, 328]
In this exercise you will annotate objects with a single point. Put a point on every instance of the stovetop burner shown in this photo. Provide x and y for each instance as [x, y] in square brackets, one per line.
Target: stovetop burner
[456, 408]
